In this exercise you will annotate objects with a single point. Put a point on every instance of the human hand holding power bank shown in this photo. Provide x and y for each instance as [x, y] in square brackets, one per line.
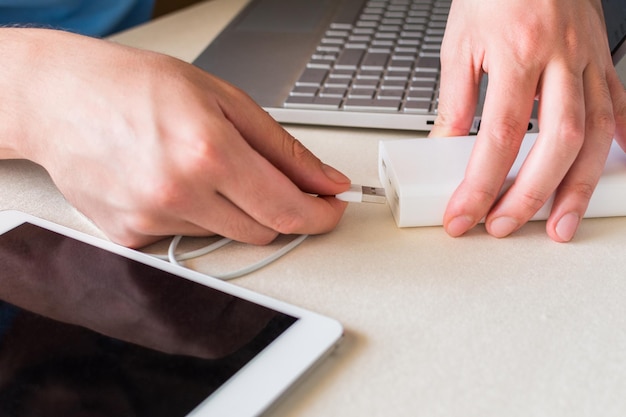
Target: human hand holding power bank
[421, 175]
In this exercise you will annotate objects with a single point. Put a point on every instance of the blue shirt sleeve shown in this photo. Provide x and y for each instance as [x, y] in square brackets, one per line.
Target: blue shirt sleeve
[87, 17]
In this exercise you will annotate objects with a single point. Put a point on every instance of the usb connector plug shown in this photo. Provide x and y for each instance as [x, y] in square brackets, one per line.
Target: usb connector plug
[363, 194]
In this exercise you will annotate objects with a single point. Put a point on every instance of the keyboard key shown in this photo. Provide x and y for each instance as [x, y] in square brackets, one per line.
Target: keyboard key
[419, 13]
[328, 48]
[398, 64]
[333, 92]
[388, 44]
[432, 48]
[388, 84]
[363, 39]
[322, 103]
[391, 27]
[423, 85]
[428, 63]
[322, 55]
[375, 60]
[304, 91]
[362, 93]
[312, 77]
[333, 41]
[406, 49]
[404, 56]
[337, 33]
[417, 20]
[343, 74]
[417, 107]
[365, 83]
[435, 24]
[320, 63]
[349, 58]
[412, 34]
[391, 94]
[369, 18]
[364, 31]
[341, 26]
[338, 83]
[415, 27]
[433, 39]
[361, 104]
[369, 75]
[397, 75]
[420, 95]
[367, 24]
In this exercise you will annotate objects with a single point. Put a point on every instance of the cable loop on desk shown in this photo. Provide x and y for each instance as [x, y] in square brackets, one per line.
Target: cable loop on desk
[176, 259]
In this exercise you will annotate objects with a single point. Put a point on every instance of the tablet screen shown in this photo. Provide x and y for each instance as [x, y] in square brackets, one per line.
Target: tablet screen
[86, 332]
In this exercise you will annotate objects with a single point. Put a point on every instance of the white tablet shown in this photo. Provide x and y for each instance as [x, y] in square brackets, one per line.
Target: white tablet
[91, 328]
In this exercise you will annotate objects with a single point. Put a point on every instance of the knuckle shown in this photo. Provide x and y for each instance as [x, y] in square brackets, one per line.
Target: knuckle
[571, 41]
[450, 51]
[198, 145]
[201, 147]
[163, 195]
[482, 197]
[297, 150]
[571, 135]
[243, 231]
[533, 200]
[288, 222]
[505, 134]
[583, 189]
[264, 238]
[140, 223]
[128, 240]
[602, 122]
[449, 123]
[133, 229]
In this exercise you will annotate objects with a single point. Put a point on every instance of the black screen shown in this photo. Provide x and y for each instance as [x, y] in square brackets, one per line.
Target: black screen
[85, 332]
[615, 17]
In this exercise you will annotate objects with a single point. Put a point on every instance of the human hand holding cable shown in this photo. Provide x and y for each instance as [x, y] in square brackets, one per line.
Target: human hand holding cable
[148, 146]
[555, 51]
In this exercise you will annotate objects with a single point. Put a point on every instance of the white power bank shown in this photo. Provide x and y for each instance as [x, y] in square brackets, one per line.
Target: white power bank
[420, 175]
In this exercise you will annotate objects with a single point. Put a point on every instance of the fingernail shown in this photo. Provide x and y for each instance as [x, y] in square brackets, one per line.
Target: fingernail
[567, 226]
[459, 225]
[335, 175]
[503, 226]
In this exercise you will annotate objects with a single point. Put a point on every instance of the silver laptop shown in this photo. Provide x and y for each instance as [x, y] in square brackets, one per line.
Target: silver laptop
[355, 63]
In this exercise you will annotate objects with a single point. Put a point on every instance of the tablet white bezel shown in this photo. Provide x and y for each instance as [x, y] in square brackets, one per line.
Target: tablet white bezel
[255, 387]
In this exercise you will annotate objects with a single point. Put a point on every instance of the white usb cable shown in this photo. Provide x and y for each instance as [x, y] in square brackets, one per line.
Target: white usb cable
[356, 194]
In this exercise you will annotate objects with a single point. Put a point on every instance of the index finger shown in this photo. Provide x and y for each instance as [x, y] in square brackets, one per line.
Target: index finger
[273, 142]
[269, 196]
[459, 86]
[508, 106]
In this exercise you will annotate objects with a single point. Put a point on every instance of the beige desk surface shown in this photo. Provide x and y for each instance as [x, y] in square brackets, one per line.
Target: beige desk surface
[435, 326]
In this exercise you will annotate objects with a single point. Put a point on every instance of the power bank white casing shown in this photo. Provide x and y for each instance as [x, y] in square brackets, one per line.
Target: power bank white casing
[420, 175]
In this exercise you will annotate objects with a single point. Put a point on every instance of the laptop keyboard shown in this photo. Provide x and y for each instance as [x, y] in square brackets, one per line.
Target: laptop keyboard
[384, 58]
